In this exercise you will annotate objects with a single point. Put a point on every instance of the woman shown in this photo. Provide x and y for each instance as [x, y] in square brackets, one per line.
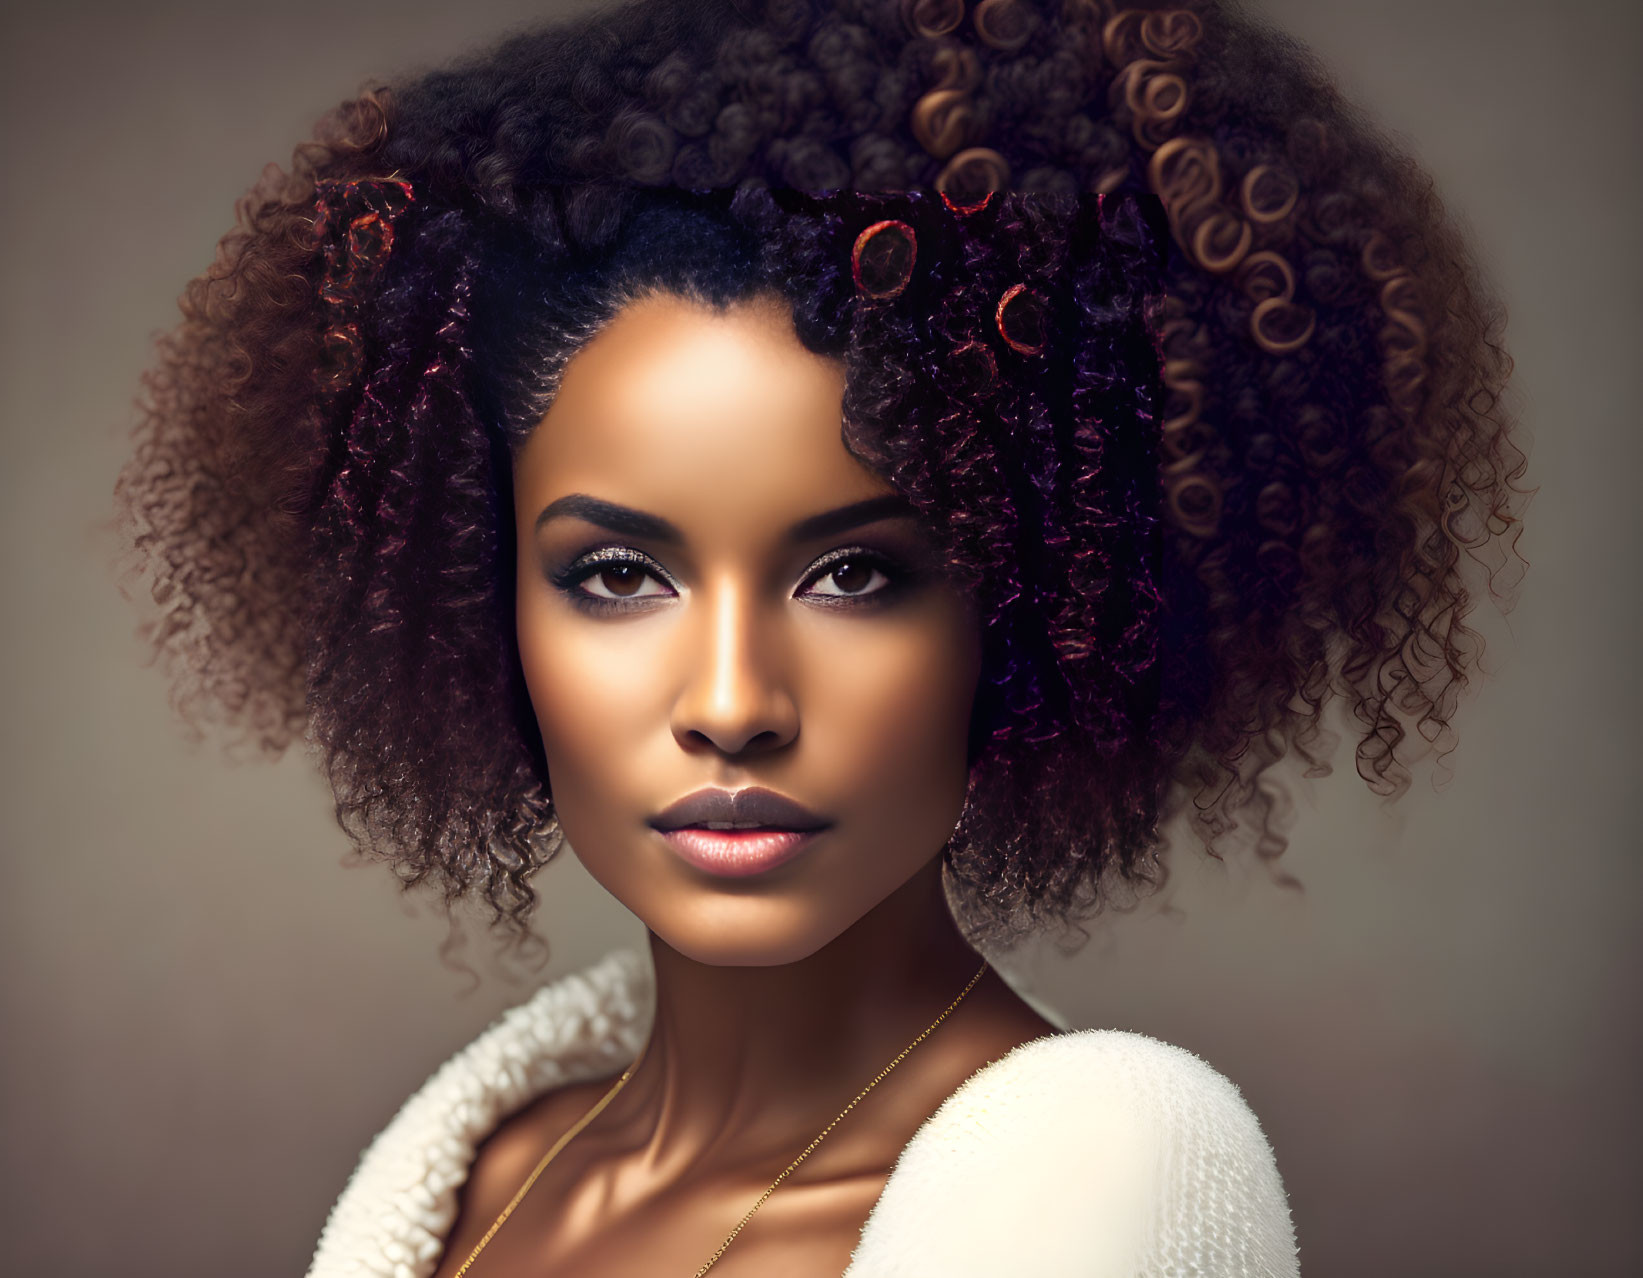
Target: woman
[482, 332]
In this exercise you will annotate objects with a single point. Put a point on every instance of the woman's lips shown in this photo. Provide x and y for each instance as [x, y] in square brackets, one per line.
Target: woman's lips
[737, 853]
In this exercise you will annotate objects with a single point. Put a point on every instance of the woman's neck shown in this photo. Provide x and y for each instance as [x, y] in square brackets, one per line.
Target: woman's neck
[745, 1059]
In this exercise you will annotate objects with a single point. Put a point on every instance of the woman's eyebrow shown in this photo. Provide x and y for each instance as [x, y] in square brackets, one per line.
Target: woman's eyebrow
[639, 523]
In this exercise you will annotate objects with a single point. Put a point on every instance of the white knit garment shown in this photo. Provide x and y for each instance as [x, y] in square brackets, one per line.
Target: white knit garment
[1094, 1154]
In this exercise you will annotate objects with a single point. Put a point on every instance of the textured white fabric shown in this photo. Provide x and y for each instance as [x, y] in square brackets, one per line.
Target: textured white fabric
[1094, 1154]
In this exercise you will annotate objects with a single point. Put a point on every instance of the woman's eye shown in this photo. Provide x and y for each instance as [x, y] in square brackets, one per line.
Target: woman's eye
[619, 581]
[607, 583]
[853, 575]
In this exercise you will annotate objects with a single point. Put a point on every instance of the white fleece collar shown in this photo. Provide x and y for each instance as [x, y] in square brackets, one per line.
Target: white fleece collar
[1095, 1154]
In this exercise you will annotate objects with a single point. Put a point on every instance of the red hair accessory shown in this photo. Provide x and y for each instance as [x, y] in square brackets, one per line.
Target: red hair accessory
[882, 261]
[354, 223]
[354, 231]
[1020, 319]
[965, 210]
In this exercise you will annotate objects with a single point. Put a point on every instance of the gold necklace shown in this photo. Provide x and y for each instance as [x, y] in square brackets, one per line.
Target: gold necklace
[621, 1082]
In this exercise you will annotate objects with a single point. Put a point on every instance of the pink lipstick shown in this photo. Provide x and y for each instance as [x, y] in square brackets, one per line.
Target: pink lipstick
[737, 833]
[737, 853]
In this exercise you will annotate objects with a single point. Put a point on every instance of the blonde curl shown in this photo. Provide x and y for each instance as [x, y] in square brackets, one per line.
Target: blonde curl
[1002, 24]
[1220, 240]
[973, 172]
[1171, 33]
[1181, 380]
[1185, 171]
[1108, 182]
[1270, 320]
[1266, 274]
[1266, 213]
[1155, 97]
[958, 67]
[944, 120]
[1163, 98]
[930, 18]
[1121, 37]
[1194, 503]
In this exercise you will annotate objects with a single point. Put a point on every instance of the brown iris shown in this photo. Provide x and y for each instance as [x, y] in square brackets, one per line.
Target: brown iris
[629, 576]
[858, 571]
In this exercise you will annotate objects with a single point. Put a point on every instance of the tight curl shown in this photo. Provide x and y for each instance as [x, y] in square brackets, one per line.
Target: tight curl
[1208, 469]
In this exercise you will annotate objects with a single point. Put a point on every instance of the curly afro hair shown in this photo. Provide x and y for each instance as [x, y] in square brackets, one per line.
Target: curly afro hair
[1186, 367]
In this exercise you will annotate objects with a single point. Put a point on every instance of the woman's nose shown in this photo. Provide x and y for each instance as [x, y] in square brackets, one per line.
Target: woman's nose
[736, 692]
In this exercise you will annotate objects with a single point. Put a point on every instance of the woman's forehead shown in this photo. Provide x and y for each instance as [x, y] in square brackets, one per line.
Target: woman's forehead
[675, 402]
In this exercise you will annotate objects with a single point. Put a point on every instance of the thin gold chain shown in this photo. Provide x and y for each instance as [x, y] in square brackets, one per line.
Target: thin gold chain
[622, 1081]
[714, 1259]
[548, 1158]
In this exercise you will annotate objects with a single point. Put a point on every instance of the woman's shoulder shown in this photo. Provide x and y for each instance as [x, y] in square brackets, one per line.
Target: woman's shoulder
[399, 1205]
[1094, 1081]
[1095, 1152]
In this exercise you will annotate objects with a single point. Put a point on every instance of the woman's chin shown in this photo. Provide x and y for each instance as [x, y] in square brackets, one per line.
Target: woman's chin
[744, 937]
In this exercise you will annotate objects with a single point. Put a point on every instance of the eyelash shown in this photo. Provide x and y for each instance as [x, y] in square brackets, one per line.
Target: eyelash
[570, 578]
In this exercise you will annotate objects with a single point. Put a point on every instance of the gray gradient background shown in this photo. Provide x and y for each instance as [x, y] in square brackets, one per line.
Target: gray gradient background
[205, 1016]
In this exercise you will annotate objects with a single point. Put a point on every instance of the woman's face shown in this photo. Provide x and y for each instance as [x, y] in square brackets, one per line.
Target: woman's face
[706, 603]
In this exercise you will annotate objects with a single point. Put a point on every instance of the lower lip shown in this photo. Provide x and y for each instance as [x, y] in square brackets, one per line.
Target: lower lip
[735, 854]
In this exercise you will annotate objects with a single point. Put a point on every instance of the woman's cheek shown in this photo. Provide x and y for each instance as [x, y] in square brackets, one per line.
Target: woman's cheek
[581, 692]
[594, 733]
[904, 705]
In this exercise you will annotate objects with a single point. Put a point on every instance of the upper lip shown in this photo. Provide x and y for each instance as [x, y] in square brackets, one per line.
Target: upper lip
[753, 807]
